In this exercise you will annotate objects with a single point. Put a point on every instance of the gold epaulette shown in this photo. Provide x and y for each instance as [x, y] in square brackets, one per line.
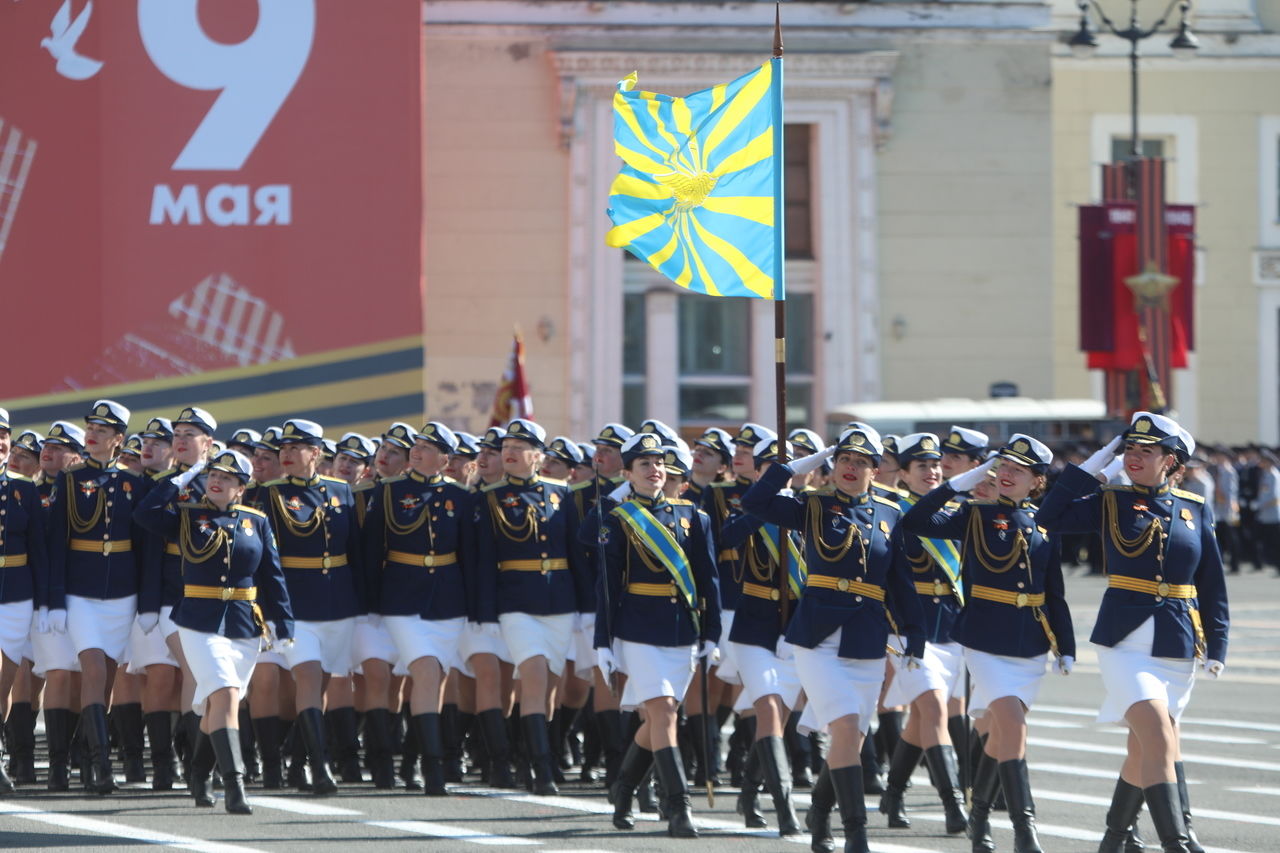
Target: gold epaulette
[680, 502]
[279, 482]
[885, 491]
[13, 475]
[723, 484]
[249, 509]
[1188, 496]
[329, 479]
[159, 476]
[553, 481]
[75, 467]
[585, 484]
[886, 501]
[366, 485]
[492, 486]
[1117, 487]
[952, 505]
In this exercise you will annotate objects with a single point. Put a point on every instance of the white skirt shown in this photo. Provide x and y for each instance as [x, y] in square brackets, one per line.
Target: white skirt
[997, 676]
[582, 652]
[1130, 675]
[654, 671]
[836, 686]
[15, 629]
[415, 637]
[273, 655]
[328, 642]
[372, 642]
[942, 668]
[480, 643]
[52, 651]
[217, 662]
[763, 673]
[727, 669]
[530, 636]
[150, 649]
[101, 623]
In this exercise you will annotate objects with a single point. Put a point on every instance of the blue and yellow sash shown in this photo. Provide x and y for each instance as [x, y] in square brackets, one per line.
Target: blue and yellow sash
[943, 551]
[659, 542]
[797, 571]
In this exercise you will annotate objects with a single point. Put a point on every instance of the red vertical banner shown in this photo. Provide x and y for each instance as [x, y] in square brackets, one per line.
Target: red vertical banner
[209, 186]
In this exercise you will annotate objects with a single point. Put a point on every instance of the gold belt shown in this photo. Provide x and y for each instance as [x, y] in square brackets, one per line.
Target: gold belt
[870, 590]
[313, 562]
[12, 560]
[225, 593]
[1004, 596]
[654, 590]
[544, 566]
[425, 560]
[1159, 590]
[759, 590]
[106, 546]
[933, 588]
[172, 549]
[728, 554]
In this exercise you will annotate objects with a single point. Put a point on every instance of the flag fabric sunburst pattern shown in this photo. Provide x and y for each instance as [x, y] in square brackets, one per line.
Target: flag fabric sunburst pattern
[699, 196]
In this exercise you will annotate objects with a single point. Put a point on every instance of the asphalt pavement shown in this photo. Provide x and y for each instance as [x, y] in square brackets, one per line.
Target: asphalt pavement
[1231, 743]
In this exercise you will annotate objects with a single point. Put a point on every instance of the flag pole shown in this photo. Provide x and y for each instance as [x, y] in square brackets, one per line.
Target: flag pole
[780, 320]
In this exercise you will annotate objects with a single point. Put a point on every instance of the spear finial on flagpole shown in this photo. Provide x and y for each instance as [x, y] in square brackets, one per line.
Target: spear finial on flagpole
[777, 29]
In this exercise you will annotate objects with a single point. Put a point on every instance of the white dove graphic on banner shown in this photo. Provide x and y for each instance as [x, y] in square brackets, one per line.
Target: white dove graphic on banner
[64, 33]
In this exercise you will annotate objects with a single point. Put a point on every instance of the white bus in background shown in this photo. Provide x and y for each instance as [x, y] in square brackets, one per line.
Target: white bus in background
[1052, 421]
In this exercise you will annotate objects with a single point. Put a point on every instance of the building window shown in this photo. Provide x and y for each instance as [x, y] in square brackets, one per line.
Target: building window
[634, 352]
[797, 179]
[1121, 146]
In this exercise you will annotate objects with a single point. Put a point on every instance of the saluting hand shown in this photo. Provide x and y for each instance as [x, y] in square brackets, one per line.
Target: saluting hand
[1095, 463]
[184, 479]
[968, 480]
[812, 462]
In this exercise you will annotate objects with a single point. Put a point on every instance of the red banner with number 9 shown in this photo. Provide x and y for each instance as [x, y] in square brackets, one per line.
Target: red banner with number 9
[193, 185]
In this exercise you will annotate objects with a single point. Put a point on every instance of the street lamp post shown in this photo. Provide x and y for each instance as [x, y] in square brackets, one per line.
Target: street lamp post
[1151, 287]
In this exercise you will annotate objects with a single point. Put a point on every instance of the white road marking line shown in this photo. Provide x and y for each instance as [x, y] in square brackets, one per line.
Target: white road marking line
[1272, 792]
[1054, 724]
[1070, 770]
[300, 806]
[1214, 760]
[1186, 721]
[1197, 811]
[1056, 831]
[441, 830]
[62, 820]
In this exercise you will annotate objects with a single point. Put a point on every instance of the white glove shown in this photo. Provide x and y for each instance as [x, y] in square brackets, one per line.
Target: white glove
[1095, 463]
[910, 662]
[42, 620]
[184, 479]
[969, 479]
[1114, 467]
[58, 621]
[710, 652]
[148, 622]
[621, 493]
[1214, 668]
[1064, 664]
[606, 662]
[812, 463]
[785, 651]
[375, 620]
[586, 622]
[488, 629]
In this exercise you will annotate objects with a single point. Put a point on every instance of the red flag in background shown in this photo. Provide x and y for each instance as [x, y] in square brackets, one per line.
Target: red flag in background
[512, 400]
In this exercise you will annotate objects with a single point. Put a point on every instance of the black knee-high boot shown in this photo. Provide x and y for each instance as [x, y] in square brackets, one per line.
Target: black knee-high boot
[230, 758]
[1180, 773]
[818, 819]
[451, 735]
[1126, 802]
[1166, 814]
[410, 754]
[799, 750]
[248, 744]
[635, 764]
[946, 775]
[772, 754]
[128, 722]
[6, 784]
[613, 742]
[57, 731]
[160, 732]
[986, 778]
[377, 748]
[1022, 808]
[847, 782]
[962, 739]
[346, 737]
[267, 732]
[199, 781]
[903, 763]
[675, 788]
[538, 747]
[432, 745]
[871, 783]
[494, 728]
[311, 723]
[749, 794]
[21, 726]
[93, 719]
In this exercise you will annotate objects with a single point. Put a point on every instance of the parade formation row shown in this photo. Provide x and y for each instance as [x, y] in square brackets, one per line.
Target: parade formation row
[505, 589]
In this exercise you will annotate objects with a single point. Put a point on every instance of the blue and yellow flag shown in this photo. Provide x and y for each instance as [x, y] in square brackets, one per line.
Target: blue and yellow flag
[699, 197]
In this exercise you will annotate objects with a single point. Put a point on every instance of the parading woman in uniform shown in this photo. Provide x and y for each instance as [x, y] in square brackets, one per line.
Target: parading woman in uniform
[1015, 615]
[416, 537]
[658, 612]
[95, 553]
[315, 522]
[528, 581]
[840, 629]
[24, 570]
[935, 571]
[1163, 616]
[232, 586]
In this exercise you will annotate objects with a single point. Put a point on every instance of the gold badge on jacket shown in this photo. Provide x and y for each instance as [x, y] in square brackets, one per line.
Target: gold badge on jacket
[1187, 517]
